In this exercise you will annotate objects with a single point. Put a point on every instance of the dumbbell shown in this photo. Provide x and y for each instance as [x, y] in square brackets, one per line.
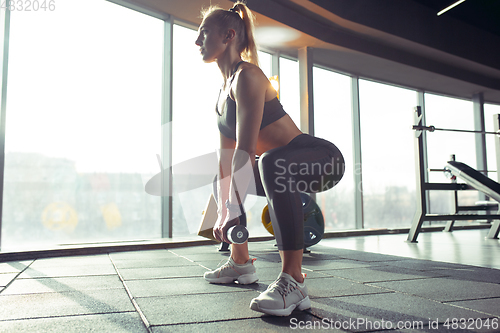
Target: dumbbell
[237, 234]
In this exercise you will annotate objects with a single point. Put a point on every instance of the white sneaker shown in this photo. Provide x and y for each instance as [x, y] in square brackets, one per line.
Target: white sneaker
[231, 271]
[282, 297]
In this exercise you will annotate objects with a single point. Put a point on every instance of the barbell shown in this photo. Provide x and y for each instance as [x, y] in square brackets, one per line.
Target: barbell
[433, 128]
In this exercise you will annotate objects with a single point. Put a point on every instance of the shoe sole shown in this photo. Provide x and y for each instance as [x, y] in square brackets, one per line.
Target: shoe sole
[302, 305]
[242, 279]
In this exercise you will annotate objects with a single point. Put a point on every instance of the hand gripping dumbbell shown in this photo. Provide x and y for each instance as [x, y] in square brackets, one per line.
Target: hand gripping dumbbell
[237, 234]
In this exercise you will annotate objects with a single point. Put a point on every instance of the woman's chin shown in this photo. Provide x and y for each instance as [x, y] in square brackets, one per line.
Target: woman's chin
[207, 59]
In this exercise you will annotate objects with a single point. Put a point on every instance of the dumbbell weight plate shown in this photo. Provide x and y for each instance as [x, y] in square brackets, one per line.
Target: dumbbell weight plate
[266, 220]
[314, 224]
[237, 234]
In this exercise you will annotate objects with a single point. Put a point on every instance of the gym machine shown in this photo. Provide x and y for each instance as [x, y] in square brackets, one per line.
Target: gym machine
[474, 180]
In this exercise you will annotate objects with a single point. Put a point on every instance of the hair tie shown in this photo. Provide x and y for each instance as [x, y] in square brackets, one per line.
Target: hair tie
[235, 10]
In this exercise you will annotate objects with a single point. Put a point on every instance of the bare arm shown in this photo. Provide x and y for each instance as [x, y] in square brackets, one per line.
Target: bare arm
[225, 161]
[249, 93]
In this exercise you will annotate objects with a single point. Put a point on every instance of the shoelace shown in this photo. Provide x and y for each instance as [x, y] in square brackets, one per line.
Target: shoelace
[283, 286]
[226, 265]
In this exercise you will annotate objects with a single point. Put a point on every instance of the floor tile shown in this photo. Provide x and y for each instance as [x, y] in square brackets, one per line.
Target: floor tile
[161, 272]
[123, 322]
[376, 309]
[148, 263]
[181, 286]
[269, 274]
[380, 273]
[363, 256]
[424, 265]
[262, 263]
[68, 270]
[471, 273]
[319, 256]
[6, 278]
[330, 287]
[96, 260]
[46, 285]
[14, 266]
[140, 255]
[444, 289]
[489, 305]
[196, 250]
[298, 320]
[267, 255]
[64, 304]
[206, 256]
[263, 246]
[321, 265]
[259, 263]
[198, 308]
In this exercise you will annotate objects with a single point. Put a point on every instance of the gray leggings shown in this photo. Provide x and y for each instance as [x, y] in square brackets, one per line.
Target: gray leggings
[305, 164]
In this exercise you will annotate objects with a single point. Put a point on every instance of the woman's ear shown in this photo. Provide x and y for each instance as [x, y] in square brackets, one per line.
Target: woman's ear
[230, 34]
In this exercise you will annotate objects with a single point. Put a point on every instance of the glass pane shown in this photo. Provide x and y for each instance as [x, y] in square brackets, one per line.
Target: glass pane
[332, 121]
[289, 88]
[83, 116]
[387, 154]
[194, 128]
[491, 154]
[265, 62]
[449, 113]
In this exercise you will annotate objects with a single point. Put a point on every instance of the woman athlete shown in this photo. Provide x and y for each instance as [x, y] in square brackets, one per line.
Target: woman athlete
[252, 123]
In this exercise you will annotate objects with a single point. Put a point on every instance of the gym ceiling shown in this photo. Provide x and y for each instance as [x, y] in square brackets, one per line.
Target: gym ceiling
[403, 42]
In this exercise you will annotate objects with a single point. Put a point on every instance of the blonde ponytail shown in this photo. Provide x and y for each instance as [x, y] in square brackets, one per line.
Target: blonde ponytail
[249, 47]
[241, 19]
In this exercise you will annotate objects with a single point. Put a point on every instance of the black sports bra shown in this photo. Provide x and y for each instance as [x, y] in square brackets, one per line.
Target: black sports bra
[273, 110]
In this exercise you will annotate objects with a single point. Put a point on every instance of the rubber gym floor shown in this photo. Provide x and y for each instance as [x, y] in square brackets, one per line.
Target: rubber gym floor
[446, 282]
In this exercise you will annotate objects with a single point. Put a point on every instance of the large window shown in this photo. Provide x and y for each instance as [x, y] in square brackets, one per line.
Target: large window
[387, 154]
[83, 125]
[194, 129]
[449, 113]
[290, 88]
[332, 121]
